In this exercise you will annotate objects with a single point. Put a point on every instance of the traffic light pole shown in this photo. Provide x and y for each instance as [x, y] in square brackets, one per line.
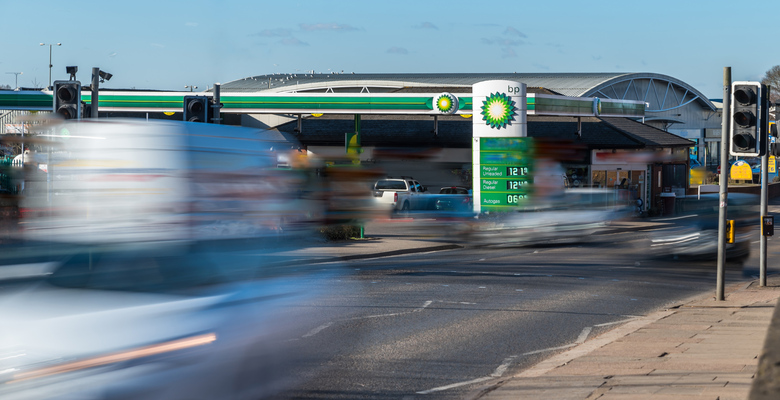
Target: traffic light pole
[216, 105]
[725, 138]
[764, 195]
[764, 180]
[94, 100]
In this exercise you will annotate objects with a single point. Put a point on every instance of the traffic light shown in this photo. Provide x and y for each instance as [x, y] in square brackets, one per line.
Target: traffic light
[749, 117]
[67, 99]
[197, 108]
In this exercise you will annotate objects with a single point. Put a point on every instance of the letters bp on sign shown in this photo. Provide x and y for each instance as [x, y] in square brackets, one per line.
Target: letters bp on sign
[499, 109]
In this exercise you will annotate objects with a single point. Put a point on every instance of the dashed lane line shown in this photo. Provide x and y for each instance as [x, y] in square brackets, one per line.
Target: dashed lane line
[328, 324]
[501, 369]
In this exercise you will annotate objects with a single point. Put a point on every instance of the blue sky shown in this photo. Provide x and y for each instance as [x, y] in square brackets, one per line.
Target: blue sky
[170, 44]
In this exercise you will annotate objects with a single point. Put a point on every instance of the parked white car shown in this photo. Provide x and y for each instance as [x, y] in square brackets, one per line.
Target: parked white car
[402, 194]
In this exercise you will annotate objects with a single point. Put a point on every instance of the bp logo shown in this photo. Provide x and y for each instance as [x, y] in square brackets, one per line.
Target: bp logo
[596, 106]
[498, 110]
[445, 103]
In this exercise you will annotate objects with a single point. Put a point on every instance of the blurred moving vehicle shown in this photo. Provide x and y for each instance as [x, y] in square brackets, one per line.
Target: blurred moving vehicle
[694, 233]
[575, 216]
[454, 198]
[189, 321]
[164, 288]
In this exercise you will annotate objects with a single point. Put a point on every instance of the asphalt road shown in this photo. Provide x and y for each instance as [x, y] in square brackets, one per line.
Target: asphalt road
[440, 325]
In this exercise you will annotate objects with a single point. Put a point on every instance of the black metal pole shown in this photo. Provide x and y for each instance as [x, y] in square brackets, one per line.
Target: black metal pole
[94, 100]
[725, 142]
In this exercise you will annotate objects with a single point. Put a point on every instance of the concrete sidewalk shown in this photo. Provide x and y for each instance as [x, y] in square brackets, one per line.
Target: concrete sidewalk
[703, 349]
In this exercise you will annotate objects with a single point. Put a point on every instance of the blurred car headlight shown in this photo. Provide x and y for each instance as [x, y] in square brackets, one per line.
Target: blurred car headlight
[107, 359]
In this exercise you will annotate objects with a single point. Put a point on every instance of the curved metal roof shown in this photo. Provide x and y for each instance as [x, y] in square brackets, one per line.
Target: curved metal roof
[661, 91]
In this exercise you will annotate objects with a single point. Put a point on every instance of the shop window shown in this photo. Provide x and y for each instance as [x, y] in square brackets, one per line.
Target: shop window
[600, 178]
[675, 176]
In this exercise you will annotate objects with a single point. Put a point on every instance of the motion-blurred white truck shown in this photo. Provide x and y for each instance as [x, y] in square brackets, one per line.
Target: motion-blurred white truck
[134, 180]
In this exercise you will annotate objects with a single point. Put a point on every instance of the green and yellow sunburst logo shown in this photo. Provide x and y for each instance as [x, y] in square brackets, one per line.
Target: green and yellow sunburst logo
[445, 103]
[498, 110]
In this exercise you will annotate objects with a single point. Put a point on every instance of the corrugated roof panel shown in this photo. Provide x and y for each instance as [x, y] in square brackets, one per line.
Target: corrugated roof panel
[569, 84]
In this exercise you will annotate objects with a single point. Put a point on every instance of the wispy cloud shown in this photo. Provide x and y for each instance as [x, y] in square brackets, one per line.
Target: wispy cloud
[502, 41]
[191, 24]
[510, 39]
[327, 27]
[542, 66]
[426, 25]
[508, 52]
[278, 32]
[162, 46]
[398, 50]
[514, 32]
[291, 41]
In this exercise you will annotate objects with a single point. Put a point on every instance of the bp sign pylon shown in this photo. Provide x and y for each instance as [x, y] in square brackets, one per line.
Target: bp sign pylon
[502, 154]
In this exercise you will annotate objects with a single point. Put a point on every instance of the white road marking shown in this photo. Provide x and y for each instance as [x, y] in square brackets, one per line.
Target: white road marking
[583, 335]
[673, 218]
[501, 369]
[327, 325]
[454, 302]
[616, 322]
[549, 349]
[454, 385]
[317, 330]
[427, 303]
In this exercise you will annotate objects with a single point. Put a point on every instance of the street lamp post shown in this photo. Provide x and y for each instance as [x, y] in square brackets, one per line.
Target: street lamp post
[50, 65]
[16, 83]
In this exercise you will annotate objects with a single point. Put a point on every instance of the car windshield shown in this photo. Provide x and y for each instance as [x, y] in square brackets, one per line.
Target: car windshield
[135, 272]
[400, 185]
[178, 270]
[453, 191]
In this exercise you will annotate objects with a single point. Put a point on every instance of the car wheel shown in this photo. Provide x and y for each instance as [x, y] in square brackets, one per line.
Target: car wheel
[405, 207]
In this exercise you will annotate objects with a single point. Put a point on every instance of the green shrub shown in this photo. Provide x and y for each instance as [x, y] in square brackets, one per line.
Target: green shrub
[340, 232]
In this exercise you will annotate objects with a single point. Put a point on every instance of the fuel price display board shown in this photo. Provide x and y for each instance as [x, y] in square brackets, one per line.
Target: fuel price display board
[505, 172]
